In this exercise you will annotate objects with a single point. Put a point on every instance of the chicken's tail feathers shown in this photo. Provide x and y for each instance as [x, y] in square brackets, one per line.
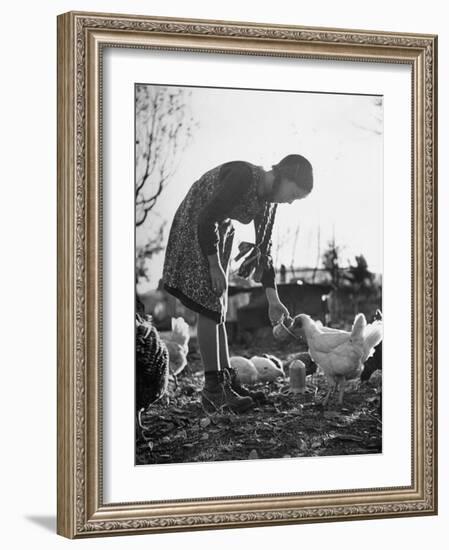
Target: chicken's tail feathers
[358, 327]
[373, 336]
[180, 330]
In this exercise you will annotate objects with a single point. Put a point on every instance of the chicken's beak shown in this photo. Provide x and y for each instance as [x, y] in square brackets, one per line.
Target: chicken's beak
[297, 327]
[297, 323]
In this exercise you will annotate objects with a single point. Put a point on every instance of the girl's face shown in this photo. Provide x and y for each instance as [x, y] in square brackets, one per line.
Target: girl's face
[288, 191]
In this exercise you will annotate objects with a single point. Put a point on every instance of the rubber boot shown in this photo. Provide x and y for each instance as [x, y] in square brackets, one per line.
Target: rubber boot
[233, 378]
[224, 396]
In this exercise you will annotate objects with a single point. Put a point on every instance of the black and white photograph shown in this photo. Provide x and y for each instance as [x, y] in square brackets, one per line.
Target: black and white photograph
[223, 325]
[258, 274]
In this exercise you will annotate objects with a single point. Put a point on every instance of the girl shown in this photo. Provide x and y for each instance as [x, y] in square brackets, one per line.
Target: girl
[198, 250]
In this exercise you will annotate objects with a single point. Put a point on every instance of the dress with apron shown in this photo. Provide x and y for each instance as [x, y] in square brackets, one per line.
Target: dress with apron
[202, 226]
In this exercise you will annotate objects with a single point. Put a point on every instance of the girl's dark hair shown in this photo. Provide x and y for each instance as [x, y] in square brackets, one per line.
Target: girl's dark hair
[296, 168]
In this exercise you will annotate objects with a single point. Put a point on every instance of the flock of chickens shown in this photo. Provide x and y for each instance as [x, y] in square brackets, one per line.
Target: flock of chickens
[341, 355]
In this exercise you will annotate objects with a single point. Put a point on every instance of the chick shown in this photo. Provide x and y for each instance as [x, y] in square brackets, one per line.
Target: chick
[268, 368]
[275, 360]
[177, 342]
[246, 371]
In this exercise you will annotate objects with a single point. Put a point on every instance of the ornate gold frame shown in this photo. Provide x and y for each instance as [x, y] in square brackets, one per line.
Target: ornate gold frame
[81, 37]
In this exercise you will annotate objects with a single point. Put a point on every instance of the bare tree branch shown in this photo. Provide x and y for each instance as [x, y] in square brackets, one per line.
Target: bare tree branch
[163, 129]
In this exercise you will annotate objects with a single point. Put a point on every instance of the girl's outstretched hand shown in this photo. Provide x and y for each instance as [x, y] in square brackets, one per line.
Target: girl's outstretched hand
[277, 311]
[218, 279]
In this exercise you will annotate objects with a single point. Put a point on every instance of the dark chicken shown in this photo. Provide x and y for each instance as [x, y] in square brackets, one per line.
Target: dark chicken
[310, 364]
[374, 362]
[152, 369]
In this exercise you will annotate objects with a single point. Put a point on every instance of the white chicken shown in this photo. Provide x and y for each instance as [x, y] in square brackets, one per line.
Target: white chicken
[269, 368]
[339, 353]
[177, 342]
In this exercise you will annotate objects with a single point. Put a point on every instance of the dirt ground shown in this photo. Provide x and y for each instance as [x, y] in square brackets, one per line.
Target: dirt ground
[287, 425]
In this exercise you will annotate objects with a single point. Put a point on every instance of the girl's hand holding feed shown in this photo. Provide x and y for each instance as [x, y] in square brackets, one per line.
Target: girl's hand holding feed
[277, 312]
[276, 309]
[219, 282]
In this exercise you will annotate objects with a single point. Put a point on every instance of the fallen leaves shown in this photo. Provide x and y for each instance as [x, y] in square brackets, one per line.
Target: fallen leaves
[287, 426]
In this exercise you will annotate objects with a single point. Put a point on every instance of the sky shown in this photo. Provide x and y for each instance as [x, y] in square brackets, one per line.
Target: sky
[341, 135]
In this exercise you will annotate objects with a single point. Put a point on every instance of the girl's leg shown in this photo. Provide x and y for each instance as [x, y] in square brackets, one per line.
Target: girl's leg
[223, 347]
[216, 392]
[208, 344]
[225, 363]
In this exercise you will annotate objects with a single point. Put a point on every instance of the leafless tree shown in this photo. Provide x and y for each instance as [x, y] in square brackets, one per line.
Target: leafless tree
[164, 127]
[146, 252]
[362, 281]
[331, 262]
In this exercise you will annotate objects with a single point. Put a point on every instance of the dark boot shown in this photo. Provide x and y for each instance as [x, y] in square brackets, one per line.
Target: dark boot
[214, 399]
[234, 381]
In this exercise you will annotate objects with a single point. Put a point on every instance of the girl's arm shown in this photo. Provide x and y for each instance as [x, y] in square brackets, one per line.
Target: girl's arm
[235, 181]
[219, 282]
[276, 309]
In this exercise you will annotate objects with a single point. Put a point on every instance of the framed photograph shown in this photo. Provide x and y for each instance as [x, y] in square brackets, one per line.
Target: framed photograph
[247, 216]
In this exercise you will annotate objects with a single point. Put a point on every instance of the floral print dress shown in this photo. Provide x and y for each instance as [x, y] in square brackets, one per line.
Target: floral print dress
[202, 225]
